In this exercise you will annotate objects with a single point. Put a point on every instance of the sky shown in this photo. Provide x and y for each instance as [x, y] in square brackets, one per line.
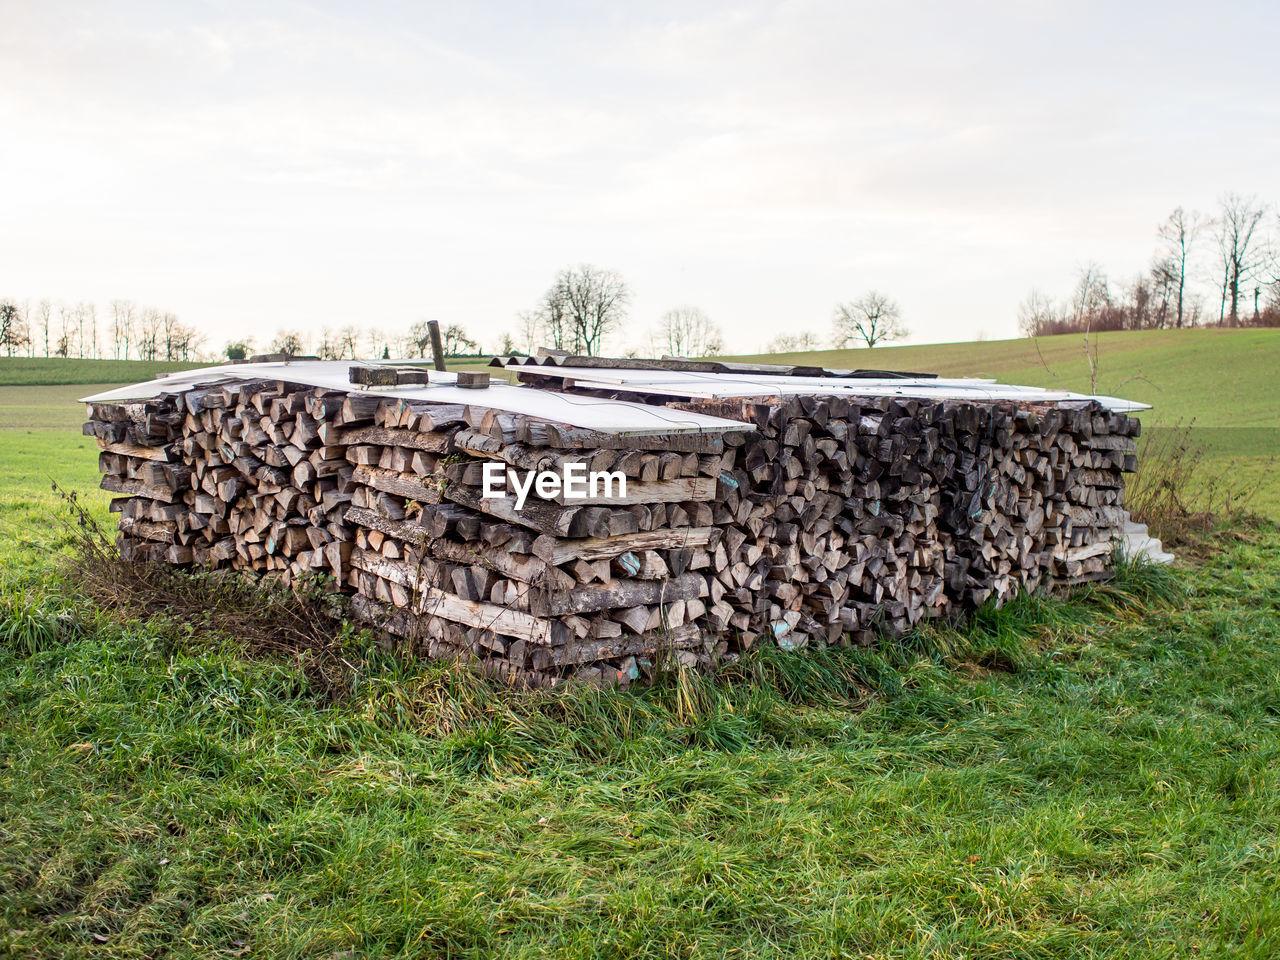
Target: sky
[265, 165]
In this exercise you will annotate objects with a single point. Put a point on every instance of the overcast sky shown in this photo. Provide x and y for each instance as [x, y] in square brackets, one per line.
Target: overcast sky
[261, 165]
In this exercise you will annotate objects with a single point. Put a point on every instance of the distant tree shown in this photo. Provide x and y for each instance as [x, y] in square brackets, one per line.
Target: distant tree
[455, 342]
[237, 349]
[67, 343]
[148, 335]
[376, 342]
[507, 345]
[1036, 315]
[44, 313]
[800, 342]
[13, 327]
[582, 307]
[688, 332]
[1244, 252]
[420, 338]
[177, 340]
[555, 323]
[288, 342]
[1090, 298]
[348, 342]
[386, 352]
[326, 349]
[528, 329]
[872, 318]
[1169, 272]
[123, 317]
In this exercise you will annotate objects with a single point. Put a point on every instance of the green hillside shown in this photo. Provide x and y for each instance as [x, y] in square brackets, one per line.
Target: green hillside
[1220, 377]
[53, 371]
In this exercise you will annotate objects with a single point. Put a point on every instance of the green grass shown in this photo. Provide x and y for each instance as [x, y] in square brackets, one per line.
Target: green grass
[1086, 779]
[40, 441]
[1116, 795]
[46, 371]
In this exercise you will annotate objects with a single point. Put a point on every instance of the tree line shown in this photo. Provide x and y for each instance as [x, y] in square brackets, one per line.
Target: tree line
[585, 304]
[1232, 255]
[584, 307]
[123, 331]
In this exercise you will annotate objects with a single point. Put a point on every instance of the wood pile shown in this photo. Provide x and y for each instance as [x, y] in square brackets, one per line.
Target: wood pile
[835, 519]
[249, 475]
[854, 516]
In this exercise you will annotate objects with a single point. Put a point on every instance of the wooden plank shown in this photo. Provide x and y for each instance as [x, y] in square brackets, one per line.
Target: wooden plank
[137, 488]
[537, 515]
[423, 489]
[395, 437]
[620, 593]
[556, 550]
[434, 602]
[561, 435]
[147, 530]
[162, 453]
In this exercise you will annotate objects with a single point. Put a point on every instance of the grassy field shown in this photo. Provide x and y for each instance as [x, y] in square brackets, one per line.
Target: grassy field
[40, 371]
[1087, 779]
[1095, 779]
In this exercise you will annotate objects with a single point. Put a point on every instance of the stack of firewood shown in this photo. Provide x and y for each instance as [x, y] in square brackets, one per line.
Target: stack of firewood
[251, 475]
[556, 587]
[824, 519]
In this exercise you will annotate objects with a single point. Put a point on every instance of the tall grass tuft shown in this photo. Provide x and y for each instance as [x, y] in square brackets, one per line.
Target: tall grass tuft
[304, 622]
[30, 623]
[1178, 492]
[1136, 582]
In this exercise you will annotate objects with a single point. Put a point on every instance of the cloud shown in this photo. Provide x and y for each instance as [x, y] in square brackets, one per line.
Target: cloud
[274, 164]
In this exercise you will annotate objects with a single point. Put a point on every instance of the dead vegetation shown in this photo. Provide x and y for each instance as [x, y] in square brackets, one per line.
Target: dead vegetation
[304, 623]
[1183, 495]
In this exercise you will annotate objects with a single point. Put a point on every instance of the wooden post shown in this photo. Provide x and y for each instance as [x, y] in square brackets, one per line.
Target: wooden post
[437, 351]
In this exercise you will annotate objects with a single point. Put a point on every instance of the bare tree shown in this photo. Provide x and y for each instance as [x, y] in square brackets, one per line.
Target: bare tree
[44, 313]
[528, 329]
[67, 325]
[688, 332]
[288, 342]
[348, 341]
[1177, 233]
[148, 333]
[170, 330]
[13, 327]
[379, 343]
[325, 349]
[454, 341]
[1244, 254]
[1090, 300]
[872, 318]
[181, 341]
[584, 305]
[800, 342]
[1036, 314]
[419, 339]
[123, 317]
[555, 319]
